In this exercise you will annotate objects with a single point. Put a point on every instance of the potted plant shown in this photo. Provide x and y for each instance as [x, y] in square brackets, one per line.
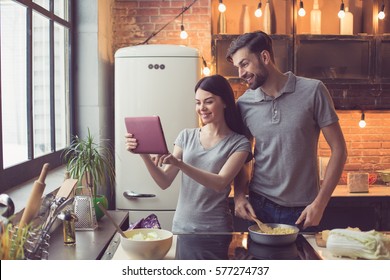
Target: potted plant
[92, 163]
[12, 241]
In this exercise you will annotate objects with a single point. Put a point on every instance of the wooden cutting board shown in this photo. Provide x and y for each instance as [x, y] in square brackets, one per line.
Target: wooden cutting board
[66, 188]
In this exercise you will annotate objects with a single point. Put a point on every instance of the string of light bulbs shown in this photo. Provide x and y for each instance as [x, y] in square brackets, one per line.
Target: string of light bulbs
[341, 12]
[362, 122]
[258, 12]
[169, 22]
[183, 33]
[206, 70]
[301, 11]
[381, 13]
[221, 7]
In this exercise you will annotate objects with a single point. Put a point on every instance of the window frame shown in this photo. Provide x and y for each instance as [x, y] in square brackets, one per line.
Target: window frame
[17, 174]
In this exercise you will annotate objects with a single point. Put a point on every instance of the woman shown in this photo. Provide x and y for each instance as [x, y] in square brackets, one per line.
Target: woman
[209, 157]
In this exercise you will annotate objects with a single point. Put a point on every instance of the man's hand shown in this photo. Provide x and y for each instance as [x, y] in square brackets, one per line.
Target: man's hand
[243, 209]
[311, 216]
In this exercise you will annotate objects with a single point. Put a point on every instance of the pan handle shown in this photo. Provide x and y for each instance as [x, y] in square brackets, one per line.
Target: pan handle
[133, 195]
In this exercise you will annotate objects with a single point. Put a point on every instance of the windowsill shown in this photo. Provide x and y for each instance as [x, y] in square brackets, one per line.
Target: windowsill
[21, 193]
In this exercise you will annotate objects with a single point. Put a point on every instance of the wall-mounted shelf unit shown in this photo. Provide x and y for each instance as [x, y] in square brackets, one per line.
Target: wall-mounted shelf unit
[356, 68]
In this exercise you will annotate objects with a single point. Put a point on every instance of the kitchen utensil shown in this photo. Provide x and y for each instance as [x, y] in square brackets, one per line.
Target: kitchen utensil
[66, 188]
[85, 210]
[54, 207]
[7, 207]
[273, 239]
[111, 219]
[34, 201]
[263, 227]
[68, 227]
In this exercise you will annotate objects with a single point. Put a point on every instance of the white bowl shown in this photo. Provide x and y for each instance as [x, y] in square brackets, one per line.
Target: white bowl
[139, 246]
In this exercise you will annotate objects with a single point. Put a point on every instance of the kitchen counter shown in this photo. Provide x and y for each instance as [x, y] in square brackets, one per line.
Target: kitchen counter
[366, 210]
[374, 190]
[228, 246]
[90, 244]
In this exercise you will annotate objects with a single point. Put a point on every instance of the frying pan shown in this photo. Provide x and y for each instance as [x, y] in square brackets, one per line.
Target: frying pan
[273, 239]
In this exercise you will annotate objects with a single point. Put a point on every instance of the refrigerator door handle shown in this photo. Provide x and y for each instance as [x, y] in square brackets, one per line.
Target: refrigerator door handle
[133, 195]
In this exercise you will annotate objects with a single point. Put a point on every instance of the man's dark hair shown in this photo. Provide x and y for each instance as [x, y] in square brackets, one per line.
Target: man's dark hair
[256, 42]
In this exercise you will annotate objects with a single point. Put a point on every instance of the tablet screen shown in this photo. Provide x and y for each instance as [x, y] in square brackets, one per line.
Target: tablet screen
[149, 134]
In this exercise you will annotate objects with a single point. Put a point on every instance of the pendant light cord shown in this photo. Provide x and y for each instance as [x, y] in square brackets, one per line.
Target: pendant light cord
[164, 26]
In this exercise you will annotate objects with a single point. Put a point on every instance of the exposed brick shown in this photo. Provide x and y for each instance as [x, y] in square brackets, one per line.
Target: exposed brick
[170, 11]
[149, 12]
[133, 21]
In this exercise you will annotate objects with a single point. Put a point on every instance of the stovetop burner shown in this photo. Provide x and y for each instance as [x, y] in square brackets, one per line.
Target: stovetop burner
[239, 246]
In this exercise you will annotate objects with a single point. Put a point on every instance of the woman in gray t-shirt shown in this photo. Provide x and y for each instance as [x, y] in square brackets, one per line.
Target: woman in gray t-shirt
[209, 158]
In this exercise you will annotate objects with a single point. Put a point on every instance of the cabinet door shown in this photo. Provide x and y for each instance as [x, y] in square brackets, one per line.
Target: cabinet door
[335, 59]
[383, 59]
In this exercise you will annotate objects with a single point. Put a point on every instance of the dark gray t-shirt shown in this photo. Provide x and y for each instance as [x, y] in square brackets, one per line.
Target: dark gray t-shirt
[201, 209]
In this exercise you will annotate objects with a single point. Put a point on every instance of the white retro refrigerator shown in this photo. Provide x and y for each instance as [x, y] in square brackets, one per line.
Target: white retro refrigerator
[152, 80]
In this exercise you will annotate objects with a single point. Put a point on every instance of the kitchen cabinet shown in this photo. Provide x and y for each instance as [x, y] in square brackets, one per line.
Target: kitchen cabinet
[363, 210]
[355, 68]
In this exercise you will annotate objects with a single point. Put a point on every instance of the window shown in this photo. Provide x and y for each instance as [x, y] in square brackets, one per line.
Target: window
[35, 83]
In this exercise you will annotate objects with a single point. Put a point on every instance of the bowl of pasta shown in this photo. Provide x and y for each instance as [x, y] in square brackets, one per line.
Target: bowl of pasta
[280, 234]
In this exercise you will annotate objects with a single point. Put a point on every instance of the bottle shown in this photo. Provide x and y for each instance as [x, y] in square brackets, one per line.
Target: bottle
[267, 19]
[68, 227]
[315, 19]
[221, 23]
[346, 23]
[246, 20]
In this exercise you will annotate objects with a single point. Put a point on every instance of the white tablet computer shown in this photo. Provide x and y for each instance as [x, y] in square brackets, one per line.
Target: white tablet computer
[149, 134]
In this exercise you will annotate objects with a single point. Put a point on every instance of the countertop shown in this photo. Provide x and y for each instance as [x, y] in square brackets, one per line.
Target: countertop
[373, 190]
[238, 246]
[228, 246]
[343, 191]
[90, 244]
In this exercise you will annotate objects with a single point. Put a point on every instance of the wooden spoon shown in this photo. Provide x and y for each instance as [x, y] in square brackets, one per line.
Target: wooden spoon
[263, 227]
[111, 219]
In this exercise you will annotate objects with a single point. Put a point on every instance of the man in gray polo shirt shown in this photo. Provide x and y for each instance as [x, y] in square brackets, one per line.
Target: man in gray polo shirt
[284, 115]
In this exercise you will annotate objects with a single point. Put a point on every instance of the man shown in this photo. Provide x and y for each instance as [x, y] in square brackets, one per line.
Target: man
[284, 115]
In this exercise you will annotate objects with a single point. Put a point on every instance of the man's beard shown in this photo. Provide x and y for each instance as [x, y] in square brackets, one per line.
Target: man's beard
[258, 81]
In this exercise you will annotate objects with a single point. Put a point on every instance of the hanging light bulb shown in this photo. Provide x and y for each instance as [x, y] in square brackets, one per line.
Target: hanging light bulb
[258, 12]
[221, 6]
[381, 14]
[362, 122]
[301, 11]
[206, 70]
[183, 33]
[341, 13]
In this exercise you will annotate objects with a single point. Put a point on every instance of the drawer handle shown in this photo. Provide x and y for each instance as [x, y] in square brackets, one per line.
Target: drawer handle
[133, 195]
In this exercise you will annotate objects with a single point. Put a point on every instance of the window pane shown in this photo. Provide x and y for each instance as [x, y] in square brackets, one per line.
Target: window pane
[41, 85]
[13, 82]
[61, 9]
[61, 82]
[44, 3]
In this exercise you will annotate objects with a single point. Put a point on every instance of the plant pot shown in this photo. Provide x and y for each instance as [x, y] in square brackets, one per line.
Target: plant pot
[103, 201]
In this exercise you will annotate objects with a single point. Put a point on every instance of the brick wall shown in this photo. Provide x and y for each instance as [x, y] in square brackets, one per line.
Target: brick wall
[369, 147]
[134, 21]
